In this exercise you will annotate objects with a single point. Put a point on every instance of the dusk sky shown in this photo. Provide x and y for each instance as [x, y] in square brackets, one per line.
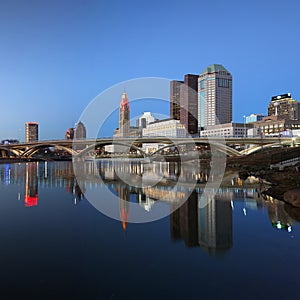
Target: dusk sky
[56, 56]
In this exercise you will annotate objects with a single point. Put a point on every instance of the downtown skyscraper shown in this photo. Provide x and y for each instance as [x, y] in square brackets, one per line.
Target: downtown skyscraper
[214, 96]
[124, 119]
[175, 99]
[80, 131]
[31, 132]
[184, 102]
[189, 103]
[285, 107]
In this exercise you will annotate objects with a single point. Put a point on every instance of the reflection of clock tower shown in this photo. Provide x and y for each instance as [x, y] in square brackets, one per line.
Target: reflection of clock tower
[124, 121]
[124, 202]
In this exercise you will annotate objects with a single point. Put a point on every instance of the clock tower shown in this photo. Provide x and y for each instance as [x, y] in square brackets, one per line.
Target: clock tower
[124, 120]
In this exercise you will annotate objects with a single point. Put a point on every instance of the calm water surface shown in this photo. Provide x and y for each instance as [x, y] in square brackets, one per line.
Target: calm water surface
[56, 245]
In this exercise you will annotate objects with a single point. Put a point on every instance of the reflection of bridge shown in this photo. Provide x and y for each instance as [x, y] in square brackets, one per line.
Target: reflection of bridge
[210, 227]
[60, 175]
[27, 150]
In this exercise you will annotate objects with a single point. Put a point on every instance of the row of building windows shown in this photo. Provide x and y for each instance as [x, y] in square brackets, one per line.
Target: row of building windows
[167, 133]
[202, 84]
[223, 82]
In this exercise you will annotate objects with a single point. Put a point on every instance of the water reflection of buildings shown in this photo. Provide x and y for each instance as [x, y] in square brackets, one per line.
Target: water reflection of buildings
[279, 216]
[215, 226]
[124, 202]
[31, 185]
[184, 222]
[209, 227]
[36, 175]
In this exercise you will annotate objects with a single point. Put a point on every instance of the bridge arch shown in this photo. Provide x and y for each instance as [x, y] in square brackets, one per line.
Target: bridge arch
[259, 147]
[109, 142]
[223, 148]
[13, 151]
[32, 150]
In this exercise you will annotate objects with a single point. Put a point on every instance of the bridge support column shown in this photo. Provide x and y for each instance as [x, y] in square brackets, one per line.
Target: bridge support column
[3, 154]
[293, 142]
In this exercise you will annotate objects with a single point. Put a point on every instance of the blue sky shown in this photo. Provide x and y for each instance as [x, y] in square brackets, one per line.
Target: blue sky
[56, 56]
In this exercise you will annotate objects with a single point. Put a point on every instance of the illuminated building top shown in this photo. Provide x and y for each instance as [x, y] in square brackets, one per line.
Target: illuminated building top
[280, 97]
[124, 104]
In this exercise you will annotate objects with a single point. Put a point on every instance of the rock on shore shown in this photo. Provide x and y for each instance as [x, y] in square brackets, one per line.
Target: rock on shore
[292, 197]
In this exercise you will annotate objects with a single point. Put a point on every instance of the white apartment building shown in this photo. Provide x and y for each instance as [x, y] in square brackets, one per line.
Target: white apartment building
[165, 128]
[226, 130]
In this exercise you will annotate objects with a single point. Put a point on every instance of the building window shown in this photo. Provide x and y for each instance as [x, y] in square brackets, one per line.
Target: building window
[223, 82]
[202, 84]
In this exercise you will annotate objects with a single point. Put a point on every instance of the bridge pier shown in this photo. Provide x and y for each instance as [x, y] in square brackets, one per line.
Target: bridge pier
[3, 154]
[293, 142]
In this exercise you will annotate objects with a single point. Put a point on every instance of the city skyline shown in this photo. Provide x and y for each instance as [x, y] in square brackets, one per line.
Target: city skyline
[182, 98]
[56, 57]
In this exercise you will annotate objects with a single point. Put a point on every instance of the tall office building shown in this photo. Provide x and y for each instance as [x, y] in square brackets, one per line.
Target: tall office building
[69, 135]
[80, 131]
[31, 132]
[284, 107]
[124, 120]
[214, 96]
[124, 129]
[189, 103]
[175, 99]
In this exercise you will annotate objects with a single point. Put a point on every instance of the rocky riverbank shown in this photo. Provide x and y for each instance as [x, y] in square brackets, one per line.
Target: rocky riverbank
[284, 181]
[284, 184]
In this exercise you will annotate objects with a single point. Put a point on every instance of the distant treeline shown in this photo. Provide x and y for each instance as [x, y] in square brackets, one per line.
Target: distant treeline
[9, 141]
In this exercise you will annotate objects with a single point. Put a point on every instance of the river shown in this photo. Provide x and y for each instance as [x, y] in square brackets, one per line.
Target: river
[56, 245]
